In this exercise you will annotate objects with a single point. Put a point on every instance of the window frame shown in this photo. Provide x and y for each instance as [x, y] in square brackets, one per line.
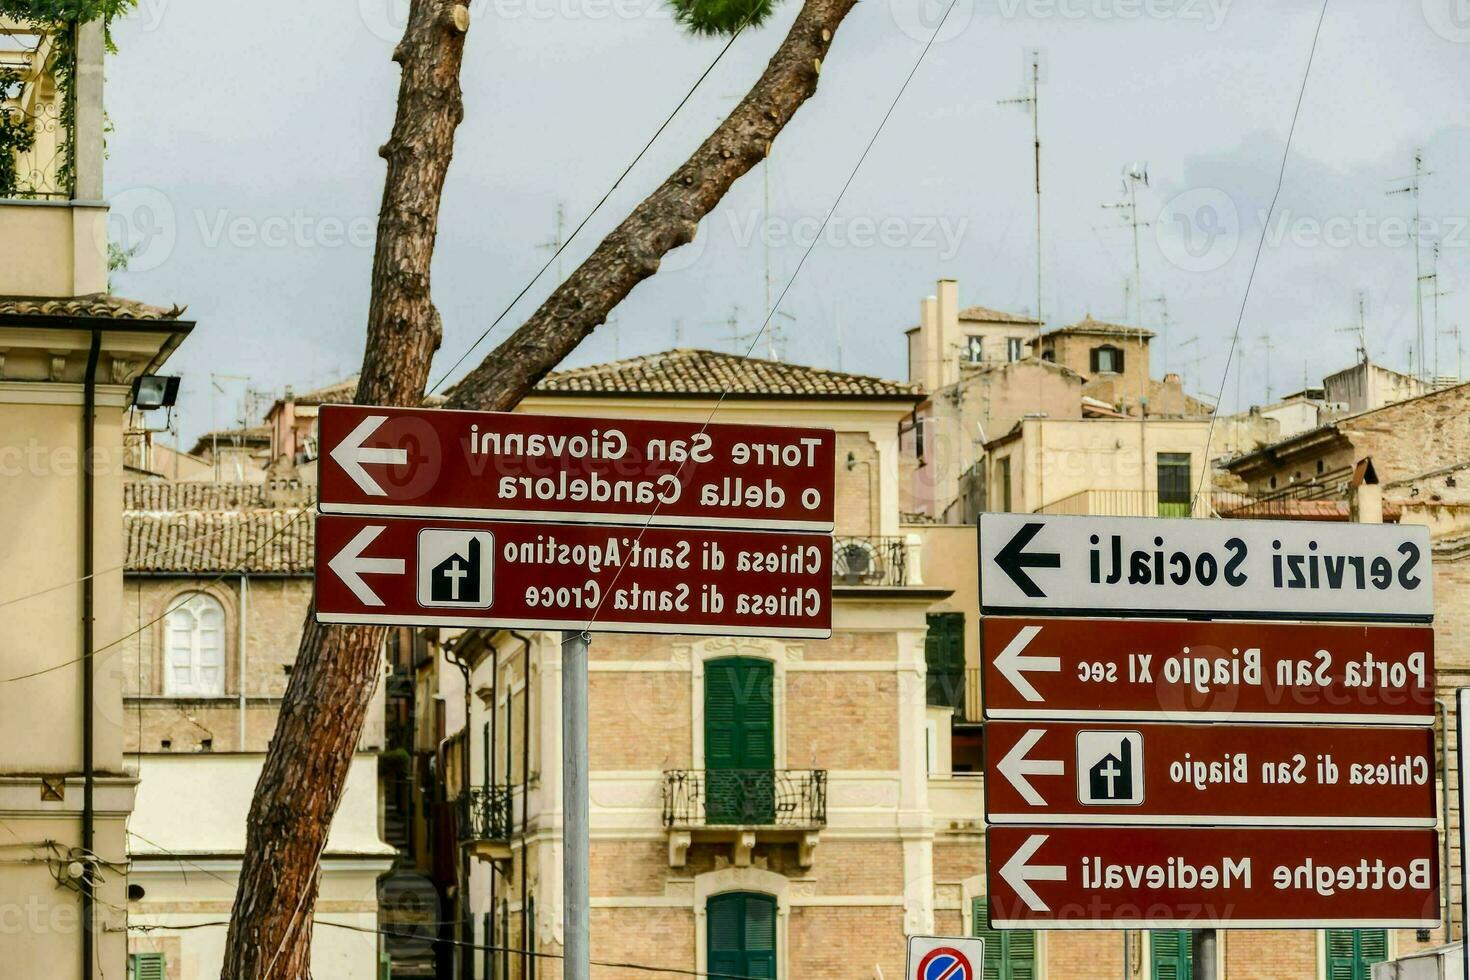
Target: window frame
[179, 606]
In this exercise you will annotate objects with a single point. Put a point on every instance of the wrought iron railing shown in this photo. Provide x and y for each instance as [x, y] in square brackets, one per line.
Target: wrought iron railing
[485, 814]
[1147, 503]
[870, 561]
[34, 136]
[749, 797]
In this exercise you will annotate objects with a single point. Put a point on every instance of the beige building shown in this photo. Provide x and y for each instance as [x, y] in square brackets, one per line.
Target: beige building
[1366, 386]
[809, 844]
[218, 583]
[1115, 360]
[68, 355]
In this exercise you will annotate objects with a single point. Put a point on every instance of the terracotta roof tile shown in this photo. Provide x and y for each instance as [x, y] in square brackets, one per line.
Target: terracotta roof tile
[702, 372]
[987, 315]
[215, 528]
[1098, 328]
[89, 305]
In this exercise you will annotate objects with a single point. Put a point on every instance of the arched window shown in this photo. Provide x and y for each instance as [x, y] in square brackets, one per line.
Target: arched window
[194, 646]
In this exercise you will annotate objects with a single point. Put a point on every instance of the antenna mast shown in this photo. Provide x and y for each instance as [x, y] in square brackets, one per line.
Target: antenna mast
[1412, 189]
[1031, 102]
[558, 239]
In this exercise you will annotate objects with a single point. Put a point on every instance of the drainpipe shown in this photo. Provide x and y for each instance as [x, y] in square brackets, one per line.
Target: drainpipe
[466, 915]
[494, 873]
[89, 677]
[527, 961]
[240, 653]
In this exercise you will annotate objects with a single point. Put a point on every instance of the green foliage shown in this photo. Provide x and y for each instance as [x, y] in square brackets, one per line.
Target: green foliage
[17, 135]
[724, 17]
[64, 11]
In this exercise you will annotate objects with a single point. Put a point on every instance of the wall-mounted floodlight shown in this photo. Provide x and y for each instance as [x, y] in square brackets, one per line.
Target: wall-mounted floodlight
[152, 391]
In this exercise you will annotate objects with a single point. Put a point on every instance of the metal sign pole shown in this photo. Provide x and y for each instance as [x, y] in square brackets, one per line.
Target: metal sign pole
[1462, 704]
[575, 805]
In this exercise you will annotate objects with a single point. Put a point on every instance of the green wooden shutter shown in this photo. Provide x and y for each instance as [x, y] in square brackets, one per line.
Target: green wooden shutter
[742, 935]
[944, 659]
[1010, 954]
[1351, 953]
[739, 741]
[1171, 954]
[146, 966]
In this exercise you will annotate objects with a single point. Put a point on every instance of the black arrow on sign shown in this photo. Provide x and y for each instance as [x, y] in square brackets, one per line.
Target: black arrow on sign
[1013, 560]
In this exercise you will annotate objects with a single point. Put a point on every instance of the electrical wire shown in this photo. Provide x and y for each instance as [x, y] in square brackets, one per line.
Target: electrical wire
[1260, 244]
[153, 622]
[801, 262]
[601, 201]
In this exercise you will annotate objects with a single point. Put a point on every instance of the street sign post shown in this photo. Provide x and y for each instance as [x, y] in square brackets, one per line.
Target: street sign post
[566, 576]
[1196, 877]
[946, 958]
[1207, 671]
[1036, 564]
[498, 465]
[1202, 775]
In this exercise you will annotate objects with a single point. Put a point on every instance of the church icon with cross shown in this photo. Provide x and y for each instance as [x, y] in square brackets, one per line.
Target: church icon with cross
[1110, 768]
[454, 568]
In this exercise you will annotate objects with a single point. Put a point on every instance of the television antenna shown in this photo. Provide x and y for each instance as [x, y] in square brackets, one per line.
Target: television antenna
[1412, 189]
[1030, 101]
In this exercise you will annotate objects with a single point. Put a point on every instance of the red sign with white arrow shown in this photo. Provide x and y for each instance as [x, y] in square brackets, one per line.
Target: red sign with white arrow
[572, 576]
[1114, 669]
[435, 462]
[1199, 877]
[1096, 773]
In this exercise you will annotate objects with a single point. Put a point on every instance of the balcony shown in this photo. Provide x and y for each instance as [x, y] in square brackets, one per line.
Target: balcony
[744, 807]
[52, 215]
[881, 561]
[485, 815]
[1146, 503]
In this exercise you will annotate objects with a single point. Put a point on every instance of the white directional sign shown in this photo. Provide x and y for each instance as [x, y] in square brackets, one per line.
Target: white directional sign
[1042, 565]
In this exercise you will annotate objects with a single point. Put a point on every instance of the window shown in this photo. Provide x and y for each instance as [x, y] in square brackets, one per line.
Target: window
[739, 742]
[146, 966]
[1015, 348]
[1106, 359]
[974, 349]
[1003, 484]
[1171, 955]
[1321, 466]
[1351, 953]
[742, 935]
[1010, 954]
[944, 659]
[194, 646]
[1173, 481]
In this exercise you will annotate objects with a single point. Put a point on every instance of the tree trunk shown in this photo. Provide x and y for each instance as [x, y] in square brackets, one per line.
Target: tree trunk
[337, 667]
[666, 219]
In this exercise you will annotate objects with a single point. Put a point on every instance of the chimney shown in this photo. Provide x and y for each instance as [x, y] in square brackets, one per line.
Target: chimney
[948, 313]
[1365, 496]
[928, 369]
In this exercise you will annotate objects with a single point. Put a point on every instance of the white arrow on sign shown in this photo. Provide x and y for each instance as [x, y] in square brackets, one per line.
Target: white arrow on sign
[1014, 666]
[1016, 767]
[1018, 874]
[350, 454]
[350, 565]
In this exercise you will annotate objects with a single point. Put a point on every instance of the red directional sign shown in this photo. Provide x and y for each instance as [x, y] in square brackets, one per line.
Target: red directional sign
[1111, 669]
[1098, 773]
[1198, 877]
[572, 576]
[434, 462]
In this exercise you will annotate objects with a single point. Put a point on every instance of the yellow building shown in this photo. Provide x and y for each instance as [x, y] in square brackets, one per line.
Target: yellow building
[68, 355]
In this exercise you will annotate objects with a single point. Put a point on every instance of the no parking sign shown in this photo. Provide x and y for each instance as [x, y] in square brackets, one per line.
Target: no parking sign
[946, 958]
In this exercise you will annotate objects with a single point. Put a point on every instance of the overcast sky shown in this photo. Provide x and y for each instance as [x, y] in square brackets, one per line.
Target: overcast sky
[244, 166]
